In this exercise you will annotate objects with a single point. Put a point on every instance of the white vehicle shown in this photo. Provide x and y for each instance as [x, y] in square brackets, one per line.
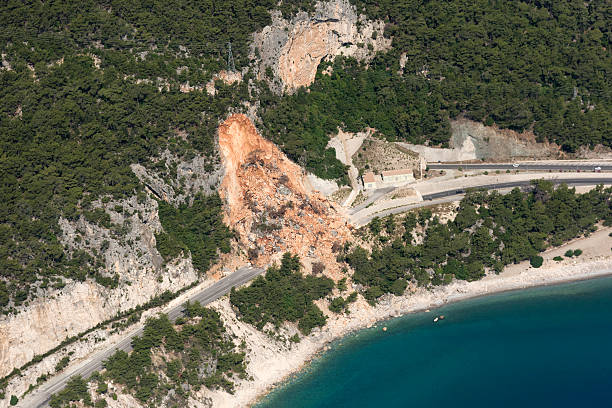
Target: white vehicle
[515, 165]
[597, 168]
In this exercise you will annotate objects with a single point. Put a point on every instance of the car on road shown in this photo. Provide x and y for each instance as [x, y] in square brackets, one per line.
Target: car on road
[515, 165]
[597, 168]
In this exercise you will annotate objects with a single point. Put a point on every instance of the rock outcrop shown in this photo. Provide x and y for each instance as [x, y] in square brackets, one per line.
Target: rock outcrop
[474, 141]
[293, 49]
[127, 251]
[131, 257]
[268, 203]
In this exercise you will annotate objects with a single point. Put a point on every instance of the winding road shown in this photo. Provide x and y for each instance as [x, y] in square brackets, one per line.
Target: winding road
[41, 396]
[456, 194]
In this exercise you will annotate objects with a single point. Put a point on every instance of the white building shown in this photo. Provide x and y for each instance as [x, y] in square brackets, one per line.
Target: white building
[398, 176]
[369, 181]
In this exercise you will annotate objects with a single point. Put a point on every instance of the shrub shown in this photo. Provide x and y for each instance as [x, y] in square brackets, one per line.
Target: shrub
[569, 253]
[536, 261]
[577, 252]
[317, 268]
[558, 258]
[63, 363]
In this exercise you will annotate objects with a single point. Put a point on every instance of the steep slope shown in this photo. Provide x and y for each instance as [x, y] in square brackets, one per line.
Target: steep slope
[293, 49]
[268, 204]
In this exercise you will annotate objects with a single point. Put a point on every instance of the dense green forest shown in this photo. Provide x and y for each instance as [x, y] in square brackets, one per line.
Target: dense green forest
[490, 231]
[88, 88]
[353, 98]
[197, 230]
[283, 294]
[70, 130]
[196, 351]
[79, 130]
[544, 66]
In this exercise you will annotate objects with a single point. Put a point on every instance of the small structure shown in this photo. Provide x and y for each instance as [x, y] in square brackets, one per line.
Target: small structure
[369, 180]
[398, 176]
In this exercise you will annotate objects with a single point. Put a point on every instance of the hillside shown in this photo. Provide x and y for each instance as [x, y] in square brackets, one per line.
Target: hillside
[141, 158]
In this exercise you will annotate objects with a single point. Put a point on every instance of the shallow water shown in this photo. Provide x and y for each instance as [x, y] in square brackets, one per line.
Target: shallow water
[542, 347]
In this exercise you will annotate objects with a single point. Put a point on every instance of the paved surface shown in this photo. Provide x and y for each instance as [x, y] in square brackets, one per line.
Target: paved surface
[456, 194]
[41, 397]
[570, 166]
[375, 196]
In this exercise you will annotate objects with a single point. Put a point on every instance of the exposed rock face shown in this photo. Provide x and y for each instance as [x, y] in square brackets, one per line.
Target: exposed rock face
[191, 177]
[293, 49]
[128, 251]
[474, 141]
[268, 203]
[488, 142]
[132, 257]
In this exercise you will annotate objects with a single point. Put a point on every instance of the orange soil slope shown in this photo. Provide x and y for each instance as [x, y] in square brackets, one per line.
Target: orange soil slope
[268, 205]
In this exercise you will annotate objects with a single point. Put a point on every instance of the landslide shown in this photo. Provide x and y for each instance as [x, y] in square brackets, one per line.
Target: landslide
[268, 205]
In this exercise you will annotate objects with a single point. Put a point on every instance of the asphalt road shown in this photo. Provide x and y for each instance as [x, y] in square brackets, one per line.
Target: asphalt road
[456, 194]
[375, 196]
[41, 397]
[522, 166]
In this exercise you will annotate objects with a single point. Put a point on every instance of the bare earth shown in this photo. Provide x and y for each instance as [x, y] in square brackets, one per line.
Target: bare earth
[271, 361]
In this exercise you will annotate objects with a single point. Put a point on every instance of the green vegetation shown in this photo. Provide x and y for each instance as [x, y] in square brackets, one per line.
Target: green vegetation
[340, 304]
[75, 390]
[558, 258]
[283, 294]
[70, 130]
[519, 65]
[573, 252]
[190, 347]
[145, 39]
[197, 229]
[536, 261]
[490, 231]
[63, 363]
[197, 352]
[352, 98]
[516, 64]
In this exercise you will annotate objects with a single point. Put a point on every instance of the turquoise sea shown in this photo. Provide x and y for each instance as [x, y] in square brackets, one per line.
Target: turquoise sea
[542, 347]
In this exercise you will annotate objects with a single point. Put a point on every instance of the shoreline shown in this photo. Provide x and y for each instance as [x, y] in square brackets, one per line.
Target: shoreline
[325, 347]
[272, 364]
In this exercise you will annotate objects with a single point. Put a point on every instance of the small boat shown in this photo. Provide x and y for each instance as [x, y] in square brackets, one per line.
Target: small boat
[442, 317]
[435, 320]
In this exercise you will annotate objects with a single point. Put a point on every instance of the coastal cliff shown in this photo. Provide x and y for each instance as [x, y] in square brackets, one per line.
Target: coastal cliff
[131, 269]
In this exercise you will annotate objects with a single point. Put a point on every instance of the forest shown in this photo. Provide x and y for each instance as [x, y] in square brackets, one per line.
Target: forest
[70, 128]
[283, 295]
[490, 231]
[89, 88]
[197, 230]
[541, 66]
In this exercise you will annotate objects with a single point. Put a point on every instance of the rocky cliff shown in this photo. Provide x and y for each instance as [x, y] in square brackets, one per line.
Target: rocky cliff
[268, 203]
[488, 142]
[293, 49]
[127, 253]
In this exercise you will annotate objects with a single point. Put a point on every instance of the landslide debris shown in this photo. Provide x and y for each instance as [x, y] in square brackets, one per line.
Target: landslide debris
[268, 205]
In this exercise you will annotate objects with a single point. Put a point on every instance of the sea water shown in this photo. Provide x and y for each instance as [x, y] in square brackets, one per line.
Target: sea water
[541, 347]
